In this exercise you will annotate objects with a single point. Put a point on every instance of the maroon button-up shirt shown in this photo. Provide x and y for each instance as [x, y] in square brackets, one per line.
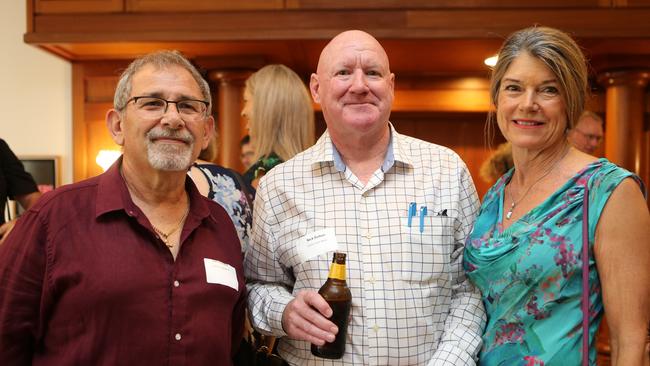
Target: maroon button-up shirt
[85, 281]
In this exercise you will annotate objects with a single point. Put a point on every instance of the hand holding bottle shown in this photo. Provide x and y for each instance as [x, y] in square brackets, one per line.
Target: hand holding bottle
[306, 318]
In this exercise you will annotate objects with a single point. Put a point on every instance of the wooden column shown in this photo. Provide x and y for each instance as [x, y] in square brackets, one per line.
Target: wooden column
[231, 126]
[625, 132]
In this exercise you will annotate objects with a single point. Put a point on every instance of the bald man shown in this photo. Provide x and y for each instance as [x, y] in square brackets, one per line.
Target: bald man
[400, 208]
[587, 134]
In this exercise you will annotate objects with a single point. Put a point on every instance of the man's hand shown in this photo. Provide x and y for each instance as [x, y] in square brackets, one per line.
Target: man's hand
[5, 229]
[305, 318]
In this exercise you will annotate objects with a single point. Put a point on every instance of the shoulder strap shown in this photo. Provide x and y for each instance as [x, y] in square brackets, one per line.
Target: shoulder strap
[585, 277]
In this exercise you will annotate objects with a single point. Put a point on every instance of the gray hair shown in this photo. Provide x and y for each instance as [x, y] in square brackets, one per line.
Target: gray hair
[160, 60]
[559, 52]
[592, 115]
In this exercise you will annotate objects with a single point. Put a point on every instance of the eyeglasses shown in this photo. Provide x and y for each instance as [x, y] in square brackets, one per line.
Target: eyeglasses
[148, 107]
[589, 136]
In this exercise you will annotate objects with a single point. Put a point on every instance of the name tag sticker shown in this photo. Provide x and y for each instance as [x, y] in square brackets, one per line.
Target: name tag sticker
[314, 244]
[220, 273]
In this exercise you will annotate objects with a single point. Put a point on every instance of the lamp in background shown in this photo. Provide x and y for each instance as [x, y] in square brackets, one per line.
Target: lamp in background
[491, 61]
[106, 158]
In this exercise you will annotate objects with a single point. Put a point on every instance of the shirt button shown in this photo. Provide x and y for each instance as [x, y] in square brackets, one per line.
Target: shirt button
[375, 328]
[368, 235]
[176, 283]
[371, 279]
[177, 336]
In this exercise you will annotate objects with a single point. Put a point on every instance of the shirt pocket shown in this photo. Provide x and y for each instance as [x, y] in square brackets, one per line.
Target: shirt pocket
[426, 253]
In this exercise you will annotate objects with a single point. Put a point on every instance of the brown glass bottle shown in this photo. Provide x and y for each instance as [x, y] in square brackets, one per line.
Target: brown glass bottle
[337, 294]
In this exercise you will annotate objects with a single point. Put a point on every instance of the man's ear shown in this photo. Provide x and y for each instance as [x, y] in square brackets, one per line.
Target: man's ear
[114, 122]
[208, 132]
[314, 87]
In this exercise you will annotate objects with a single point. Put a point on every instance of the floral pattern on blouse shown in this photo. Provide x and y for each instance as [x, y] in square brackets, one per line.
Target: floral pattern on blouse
[226, 190]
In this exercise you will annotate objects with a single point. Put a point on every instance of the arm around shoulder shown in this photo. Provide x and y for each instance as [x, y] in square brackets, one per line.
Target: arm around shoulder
[622, 251]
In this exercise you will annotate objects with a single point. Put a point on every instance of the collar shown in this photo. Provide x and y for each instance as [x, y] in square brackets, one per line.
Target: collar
[325, 151]
[113, 195]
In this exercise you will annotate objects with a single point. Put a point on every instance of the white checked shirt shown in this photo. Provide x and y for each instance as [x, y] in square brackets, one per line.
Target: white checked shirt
[411, 301]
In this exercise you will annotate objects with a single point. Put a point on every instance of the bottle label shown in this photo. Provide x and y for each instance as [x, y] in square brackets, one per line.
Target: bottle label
[337, 271]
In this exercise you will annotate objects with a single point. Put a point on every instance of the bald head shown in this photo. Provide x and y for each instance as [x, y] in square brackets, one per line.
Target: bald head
[354, 86]
[355, 40]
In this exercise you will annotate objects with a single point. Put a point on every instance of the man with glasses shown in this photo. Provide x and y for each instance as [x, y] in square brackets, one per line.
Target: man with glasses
[133, 266]
[587, 134]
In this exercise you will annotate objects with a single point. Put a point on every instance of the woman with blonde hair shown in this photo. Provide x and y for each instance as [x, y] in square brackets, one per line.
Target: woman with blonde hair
[563, 236]
[278, 108]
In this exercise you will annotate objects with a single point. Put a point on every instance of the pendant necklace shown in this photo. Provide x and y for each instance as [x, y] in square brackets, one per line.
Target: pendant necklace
[515, 203]
[165, 236]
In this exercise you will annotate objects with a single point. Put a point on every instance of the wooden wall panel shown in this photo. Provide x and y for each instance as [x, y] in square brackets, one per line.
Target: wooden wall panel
[472, 23]
[201, 5]
[79, 135]
[441, 100]
[78, 6]
[100, 88]
[441, 4]
[631, 3]
[461, 132]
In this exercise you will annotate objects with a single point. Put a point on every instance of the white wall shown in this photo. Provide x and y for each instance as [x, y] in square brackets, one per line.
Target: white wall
[35, 93]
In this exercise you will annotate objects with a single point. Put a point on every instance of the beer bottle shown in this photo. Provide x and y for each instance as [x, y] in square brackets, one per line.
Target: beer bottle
[337, 294]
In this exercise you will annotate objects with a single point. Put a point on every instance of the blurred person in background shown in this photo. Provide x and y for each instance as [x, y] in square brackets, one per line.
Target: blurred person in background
[225, 187]
[15, 184]
[247, 153]
[280, 117]
[587, 134]
[497, 164]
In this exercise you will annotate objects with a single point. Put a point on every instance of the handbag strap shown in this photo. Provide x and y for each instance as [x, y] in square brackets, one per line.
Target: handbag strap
[585, 277]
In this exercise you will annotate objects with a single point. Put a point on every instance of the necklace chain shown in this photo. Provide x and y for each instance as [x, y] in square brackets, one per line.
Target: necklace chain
[163, 236]
[515, 203]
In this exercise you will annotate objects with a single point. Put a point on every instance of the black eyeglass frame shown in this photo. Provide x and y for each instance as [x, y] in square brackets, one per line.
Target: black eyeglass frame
[135, 100]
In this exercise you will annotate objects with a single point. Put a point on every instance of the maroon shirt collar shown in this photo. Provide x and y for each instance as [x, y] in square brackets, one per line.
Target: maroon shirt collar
[113, 195]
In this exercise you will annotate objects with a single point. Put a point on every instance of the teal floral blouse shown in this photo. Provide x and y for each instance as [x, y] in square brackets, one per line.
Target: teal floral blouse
[530, 274]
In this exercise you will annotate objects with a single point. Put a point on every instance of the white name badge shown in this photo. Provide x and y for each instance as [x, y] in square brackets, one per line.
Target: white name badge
[314, 244]
[220, 273]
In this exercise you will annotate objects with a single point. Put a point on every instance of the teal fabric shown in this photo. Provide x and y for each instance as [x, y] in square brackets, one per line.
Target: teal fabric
[530, 274]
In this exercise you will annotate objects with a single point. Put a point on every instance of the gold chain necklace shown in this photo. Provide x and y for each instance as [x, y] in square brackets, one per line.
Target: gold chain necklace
[165, 236]
[515, 203]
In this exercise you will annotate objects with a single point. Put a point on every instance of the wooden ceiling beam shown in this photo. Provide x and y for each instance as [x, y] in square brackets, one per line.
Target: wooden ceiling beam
[323, 24]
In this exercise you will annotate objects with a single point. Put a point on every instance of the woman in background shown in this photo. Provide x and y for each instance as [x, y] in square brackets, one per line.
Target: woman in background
[279, 111]
[225, 187]
[497, 164]
[525, 251]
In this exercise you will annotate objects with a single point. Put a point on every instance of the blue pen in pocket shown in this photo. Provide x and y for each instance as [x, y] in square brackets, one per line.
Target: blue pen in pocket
[423, 212]
[411, 213]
